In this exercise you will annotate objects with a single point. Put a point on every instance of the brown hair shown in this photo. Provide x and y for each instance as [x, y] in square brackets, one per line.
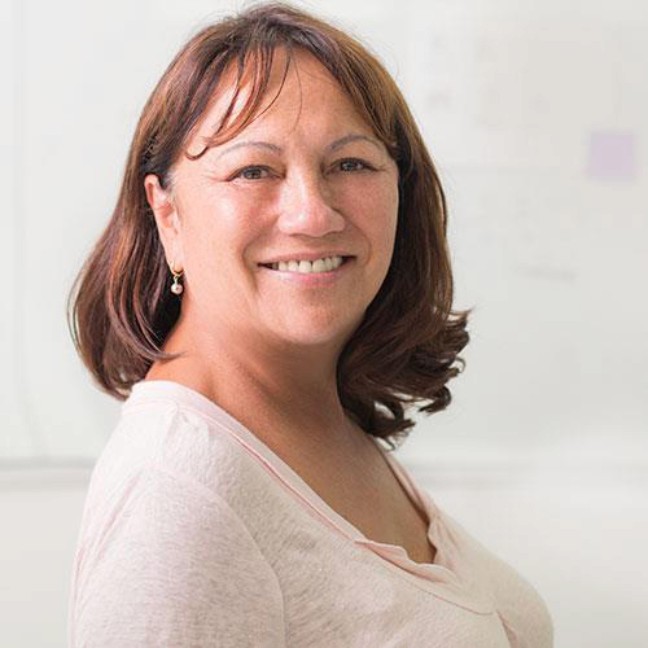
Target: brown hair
[403, 352]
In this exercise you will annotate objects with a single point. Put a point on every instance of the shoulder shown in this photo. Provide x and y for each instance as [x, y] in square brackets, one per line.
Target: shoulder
[168, 466]
[173, 430]
[166, 560]
[175, 437]
[163, 553]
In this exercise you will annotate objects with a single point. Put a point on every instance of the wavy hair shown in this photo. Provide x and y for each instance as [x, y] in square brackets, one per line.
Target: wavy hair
[404, 352]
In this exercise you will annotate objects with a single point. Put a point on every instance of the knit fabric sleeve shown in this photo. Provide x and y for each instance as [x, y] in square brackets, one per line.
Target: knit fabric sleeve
[171, 564]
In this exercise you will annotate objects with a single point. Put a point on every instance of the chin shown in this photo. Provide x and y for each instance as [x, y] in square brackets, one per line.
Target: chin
[312, 334]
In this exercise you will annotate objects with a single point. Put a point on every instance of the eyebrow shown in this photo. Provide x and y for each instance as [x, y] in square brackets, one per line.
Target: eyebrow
[333, 146]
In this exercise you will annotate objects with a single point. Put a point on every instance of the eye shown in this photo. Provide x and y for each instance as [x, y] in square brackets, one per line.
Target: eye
[254, 172]
[353, 164]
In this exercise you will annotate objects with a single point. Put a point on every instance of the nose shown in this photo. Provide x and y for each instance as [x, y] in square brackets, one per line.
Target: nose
[307, 206]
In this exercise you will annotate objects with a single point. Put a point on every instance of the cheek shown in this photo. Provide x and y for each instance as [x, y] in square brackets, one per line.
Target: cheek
[380, 214]
[386, 233]
[391, 202]
[217, 232]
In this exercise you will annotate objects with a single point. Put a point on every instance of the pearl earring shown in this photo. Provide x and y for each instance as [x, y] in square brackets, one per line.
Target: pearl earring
[176, 287]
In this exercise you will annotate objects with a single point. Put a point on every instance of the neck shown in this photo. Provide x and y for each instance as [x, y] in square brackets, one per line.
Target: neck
[285, 395]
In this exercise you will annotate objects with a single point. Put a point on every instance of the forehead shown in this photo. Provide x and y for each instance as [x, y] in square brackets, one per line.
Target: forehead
[292, 83]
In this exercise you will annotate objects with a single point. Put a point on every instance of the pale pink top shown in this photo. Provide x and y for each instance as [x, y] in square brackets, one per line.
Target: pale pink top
[195, 533]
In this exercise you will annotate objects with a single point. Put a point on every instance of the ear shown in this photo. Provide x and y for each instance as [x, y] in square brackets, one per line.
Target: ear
[167, 220]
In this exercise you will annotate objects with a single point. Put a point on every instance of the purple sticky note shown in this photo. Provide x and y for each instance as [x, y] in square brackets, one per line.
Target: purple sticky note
[612, 155]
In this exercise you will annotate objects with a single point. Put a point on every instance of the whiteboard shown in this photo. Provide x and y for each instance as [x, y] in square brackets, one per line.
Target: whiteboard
[533, 113]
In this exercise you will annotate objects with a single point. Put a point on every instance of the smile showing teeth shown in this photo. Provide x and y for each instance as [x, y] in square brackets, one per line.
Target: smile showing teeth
[305, 267]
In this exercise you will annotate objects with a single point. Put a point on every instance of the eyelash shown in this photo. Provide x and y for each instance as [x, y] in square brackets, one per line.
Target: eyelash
[365, 165]
[240, 174]
[257, 167]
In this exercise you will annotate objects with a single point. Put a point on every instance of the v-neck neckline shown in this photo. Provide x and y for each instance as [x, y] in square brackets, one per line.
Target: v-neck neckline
[438, 577]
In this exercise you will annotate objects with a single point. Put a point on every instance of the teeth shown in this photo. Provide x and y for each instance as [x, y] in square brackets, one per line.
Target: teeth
[304, 267]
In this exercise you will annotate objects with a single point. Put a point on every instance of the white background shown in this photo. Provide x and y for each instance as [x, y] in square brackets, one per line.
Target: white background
[534, 114]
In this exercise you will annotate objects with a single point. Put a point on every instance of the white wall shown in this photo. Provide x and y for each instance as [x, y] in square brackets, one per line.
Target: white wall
[534, 115]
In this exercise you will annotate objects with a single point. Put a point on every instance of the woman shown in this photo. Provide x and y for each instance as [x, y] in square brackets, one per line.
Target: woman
[271, 293]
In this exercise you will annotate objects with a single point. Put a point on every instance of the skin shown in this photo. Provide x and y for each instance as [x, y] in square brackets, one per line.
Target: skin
[262, 347]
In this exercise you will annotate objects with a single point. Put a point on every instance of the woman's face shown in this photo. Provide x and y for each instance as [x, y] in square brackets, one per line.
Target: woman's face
[306, 180]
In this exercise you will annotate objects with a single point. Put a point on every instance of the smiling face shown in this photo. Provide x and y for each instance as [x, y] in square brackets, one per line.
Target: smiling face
[305, 180]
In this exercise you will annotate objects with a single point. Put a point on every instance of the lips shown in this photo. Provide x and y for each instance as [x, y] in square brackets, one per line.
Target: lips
[285, 258]
[305, 255]
[307, 275]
